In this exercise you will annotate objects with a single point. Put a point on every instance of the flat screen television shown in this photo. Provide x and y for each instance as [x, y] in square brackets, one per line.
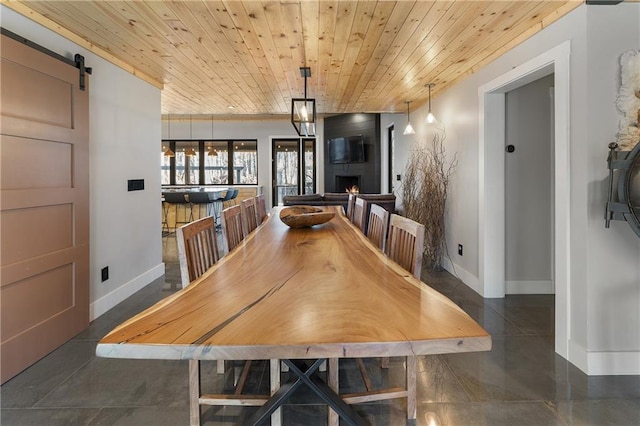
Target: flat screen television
[348, 149]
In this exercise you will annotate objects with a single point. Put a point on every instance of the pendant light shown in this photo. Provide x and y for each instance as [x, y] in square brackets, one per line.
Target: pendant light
[409, 129]
[168, 152]
[430, 117]
[190, 152]
[303, 111]
[212, 151]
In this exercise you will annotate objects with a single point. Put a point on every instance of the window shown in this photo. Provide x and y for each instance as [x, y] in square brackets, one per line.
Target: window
[187, 163]
[210, 162]
[165, 163]
[294, 167]
[245, 162]
[216, 163]
[309, 166]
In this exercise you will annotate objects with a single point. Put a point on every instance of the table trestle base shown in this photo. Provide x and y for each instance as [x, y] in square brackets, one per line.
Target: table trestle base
[305, 374]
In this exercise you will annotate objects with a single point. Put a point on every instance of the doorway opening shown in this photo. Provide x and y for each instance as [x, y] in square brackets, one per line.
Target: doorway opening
[528, 188]
[392, 147]
[492, 279]
[294, 167]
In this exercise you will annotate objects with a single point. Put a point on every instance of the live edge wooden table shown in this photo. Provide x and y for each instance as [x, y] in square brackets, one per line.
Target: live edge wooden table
[299, 294]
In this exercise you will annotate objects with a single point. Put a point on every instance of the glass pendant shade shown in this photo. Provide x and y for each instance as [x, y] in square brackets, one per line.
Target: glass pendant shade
[409, 129]
[190, 152]
[303, 116]
[169, 153]
[303, 110]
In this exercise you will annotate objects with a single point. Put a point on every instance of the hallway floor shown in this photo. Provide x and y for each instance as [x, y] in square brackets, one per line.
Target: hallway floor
[521, 381]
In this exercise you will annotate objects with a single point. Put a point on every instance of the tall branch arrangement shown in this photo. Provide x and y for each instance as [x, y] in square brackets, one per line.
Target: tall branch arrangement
[424, 194]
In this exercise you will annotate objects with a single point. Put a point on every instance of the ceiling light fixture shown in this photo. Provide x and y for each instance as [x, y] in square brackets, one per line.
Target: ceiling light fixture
[303, 111]
[168, 152]
[430, 117]
[190, 152]
[409, 129]
[212, 151]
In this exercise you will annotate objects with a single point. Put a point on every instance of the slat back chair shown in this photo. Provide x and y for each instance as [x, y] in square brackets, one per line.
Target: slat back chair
[359, 213]
[405, 243]
[378, 226]
[249, 215]
[232, 226]
[350, 203]
[261, 209]
[198, 251]
[197, 248]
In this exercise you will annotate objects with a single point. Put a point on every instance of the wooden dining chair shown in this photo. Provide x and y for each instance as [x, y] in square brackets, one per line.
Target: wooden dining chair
[405, 243]
[197, 252]
[261, 209]
[197, 248]
[350, 203]
[359, 213]
[404, 246]
[378, 226]
[249, 215]
[232, 228]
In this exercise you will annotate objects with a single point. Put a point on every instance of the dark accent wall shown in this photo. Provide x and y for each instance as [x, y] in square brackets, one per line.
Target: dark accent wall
[367, 125]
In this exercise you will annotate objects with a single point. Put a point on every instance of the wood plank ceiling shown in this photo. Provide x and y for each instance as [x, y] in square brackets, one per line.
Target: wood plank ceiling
[365, 56]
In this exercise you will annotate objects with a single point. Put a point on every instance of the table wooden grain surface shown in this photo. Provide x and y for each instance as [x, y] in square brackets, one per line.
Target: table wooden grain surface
[321, 292]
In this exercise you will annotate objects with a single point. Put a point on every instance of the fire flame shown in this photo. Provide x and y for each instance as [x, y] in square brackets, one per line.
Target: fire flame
[353, 190]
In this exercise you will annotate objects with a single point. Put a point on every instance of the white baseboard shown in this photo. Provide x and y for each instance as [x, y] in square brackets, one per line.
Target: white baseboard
[604, 363]
[620, 363]
[465, 276]
[578, 356]
[529, 287]
[111, 299]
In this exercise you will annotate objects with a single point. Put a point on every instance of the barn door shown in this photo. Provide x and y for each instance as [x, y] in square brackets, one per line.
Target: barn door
[44, 205]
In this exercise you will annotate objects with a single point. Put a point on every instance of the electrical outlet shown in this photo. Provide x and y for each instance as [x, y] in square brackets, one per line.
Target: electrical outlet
[105, 273]
[398, 177]
[460, 249]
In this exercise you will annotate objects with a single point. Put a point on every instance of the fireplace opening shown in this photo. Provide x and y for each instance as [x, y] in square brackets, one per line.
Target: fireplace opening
[345, 183]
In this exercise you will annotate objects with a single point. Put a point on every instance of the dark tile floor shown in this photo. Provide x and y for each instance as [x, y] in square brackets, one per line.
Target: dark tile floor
[521, 381]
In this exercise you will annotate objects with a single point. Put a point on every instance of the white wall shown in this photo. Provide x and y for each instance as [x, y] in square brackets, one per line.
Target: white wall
[261, 130]
[604, 289]
[124, 130]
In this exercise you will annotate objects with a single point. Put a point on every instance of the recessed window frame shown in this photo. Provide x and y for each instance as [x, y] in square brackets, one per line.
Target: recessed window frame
[202, 153]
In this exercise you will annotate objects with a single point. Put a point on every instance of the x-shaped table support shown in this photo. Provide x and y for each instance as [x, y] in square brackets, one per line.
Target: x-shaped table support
[317, 385]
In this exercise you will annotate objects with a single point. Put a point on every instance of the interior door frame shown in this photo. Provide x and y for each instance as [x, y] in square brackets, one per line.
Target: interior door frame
[491, 176]
[391, 156]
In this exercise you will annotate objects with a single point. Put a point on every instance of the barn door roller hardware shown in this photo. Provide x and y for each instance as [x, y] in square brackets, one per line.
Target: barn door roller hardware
[78, 61]
[603, 2]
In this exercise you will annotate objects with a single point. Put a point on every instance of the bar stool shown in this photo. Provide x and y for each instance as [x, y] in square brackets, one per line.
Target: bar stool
[199, 199]
[230, 196]
[165, 217]
[222, 201]
[176, 198]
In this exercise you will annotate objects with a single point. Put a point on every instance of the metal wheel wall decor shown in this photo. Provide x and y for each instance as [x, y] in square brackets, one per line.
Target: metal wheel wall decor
[624, 203]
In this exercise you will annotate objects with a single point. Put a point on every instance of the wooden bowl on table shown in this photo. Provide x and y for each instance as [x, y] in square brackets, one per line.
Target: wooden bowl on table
[304, 216]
